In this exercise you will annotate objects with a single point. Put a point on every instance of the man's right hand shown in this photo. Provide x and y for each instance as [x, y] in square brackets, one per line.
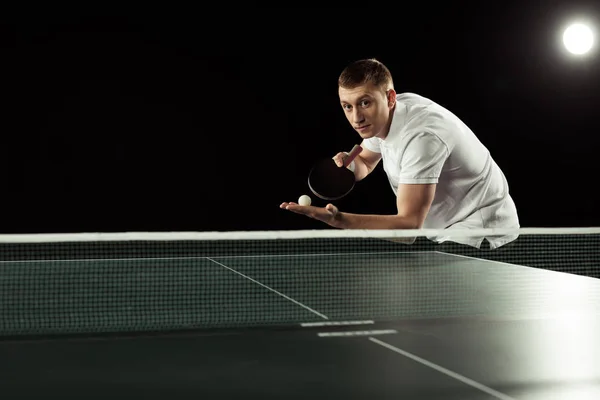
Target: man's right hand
[364, 163]
[339, 158]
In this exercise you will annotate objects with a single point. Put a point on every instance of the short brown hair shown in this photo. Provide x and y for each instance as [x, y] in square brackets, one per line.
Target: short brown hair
[366, 71]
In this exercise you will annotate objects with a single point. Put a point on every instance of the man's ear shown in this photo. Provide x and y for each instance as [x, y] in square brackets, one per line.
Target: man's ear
[391, 97]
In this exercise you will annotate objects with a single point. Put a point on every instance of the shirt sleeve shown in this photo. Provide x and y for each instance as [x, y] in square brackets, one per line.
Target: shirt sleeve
[372, 144]
[423, 158]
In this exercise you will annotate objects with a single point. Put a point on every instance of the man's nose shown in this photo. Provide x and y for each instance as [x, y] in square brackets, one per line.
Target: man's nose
[357, 117]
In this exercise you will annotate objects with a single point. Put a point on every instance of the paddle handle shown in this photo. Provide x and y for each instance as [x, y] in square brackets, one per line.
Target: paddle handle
[352, 155]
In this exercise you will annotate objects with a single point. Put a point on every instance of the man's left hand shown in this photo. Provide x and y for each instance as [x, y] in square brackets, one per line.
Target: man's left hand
[325, 214]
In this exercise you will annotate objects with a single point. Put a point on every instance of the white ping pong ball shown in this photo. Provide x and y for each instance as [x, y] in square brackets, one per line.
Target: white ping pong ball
[304, 200]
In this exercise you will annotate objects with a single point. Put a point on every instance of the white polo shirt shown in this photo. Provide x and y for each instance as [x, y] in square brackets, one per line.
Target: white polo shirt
[428, 144]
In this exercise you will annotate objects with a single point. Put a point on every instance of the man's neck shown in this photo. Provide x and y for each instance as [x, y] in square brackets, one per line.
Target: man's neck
[388, 125]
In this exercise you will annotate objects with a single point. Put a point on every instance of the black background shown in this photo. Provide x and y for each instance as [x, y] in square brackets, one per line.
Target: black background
[205, 120]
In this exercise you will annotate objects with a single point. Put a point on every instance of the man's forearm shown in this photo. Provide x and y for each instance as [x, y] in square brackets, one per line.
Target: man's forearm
[361, 170]
[369, 221]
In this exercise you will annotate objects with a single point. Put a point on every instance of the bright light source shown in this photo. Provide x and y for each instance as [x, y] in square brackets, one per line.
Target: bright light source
[578, 39]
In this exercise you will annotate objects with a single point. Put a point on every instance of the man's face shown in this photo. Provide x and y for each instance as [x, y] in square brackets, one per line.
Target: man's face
[367, 108]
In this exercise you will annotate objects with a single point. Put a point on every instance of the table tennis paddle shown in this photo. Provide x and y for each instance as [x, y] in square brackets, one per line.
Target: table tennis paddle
[330, 182]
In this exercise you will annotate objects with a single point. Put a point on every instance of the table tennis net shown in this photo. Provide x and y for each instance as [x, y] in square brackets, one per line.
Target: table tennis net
[143, 281]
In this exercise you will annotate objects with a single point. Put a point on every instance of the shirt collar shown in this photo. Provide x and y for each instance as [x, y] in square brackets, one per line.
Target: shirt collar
[398, 119]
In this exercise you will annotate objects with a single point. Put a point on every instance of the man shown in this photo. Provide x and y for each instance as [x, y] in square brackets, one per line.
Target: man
[442, 175]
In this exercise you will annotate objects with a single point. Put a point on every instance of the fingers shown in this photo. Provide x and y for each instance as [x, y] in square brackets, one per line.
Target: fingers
[298, 209]
[325, 214]
[332, 209]
[339, 158]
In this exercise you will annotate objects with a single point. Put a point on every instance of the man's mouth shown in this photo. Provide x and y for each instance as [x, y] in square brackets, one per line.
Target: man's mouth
[362, 128]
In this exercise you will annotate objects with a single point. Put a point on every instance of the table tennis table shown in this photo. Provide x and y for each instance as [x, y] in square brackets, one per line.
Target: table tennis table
[325, 325]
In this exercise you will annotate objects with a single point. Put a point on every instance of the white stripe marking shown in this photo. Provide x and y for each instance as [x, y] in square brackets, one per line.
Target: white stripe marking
[271, 289]
[357, 333]
[445, 371]
[335, 323]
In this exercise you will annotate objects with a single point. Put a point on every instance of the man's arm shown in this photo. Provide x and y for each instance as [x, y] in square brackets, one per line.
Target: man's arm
[365, 163]
[421, 167]
[413, 203]
[422, 162]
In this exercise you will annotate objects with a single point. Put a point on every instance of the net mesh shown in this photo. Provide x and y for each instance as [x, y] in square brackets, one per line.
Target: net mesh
[137, 282]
